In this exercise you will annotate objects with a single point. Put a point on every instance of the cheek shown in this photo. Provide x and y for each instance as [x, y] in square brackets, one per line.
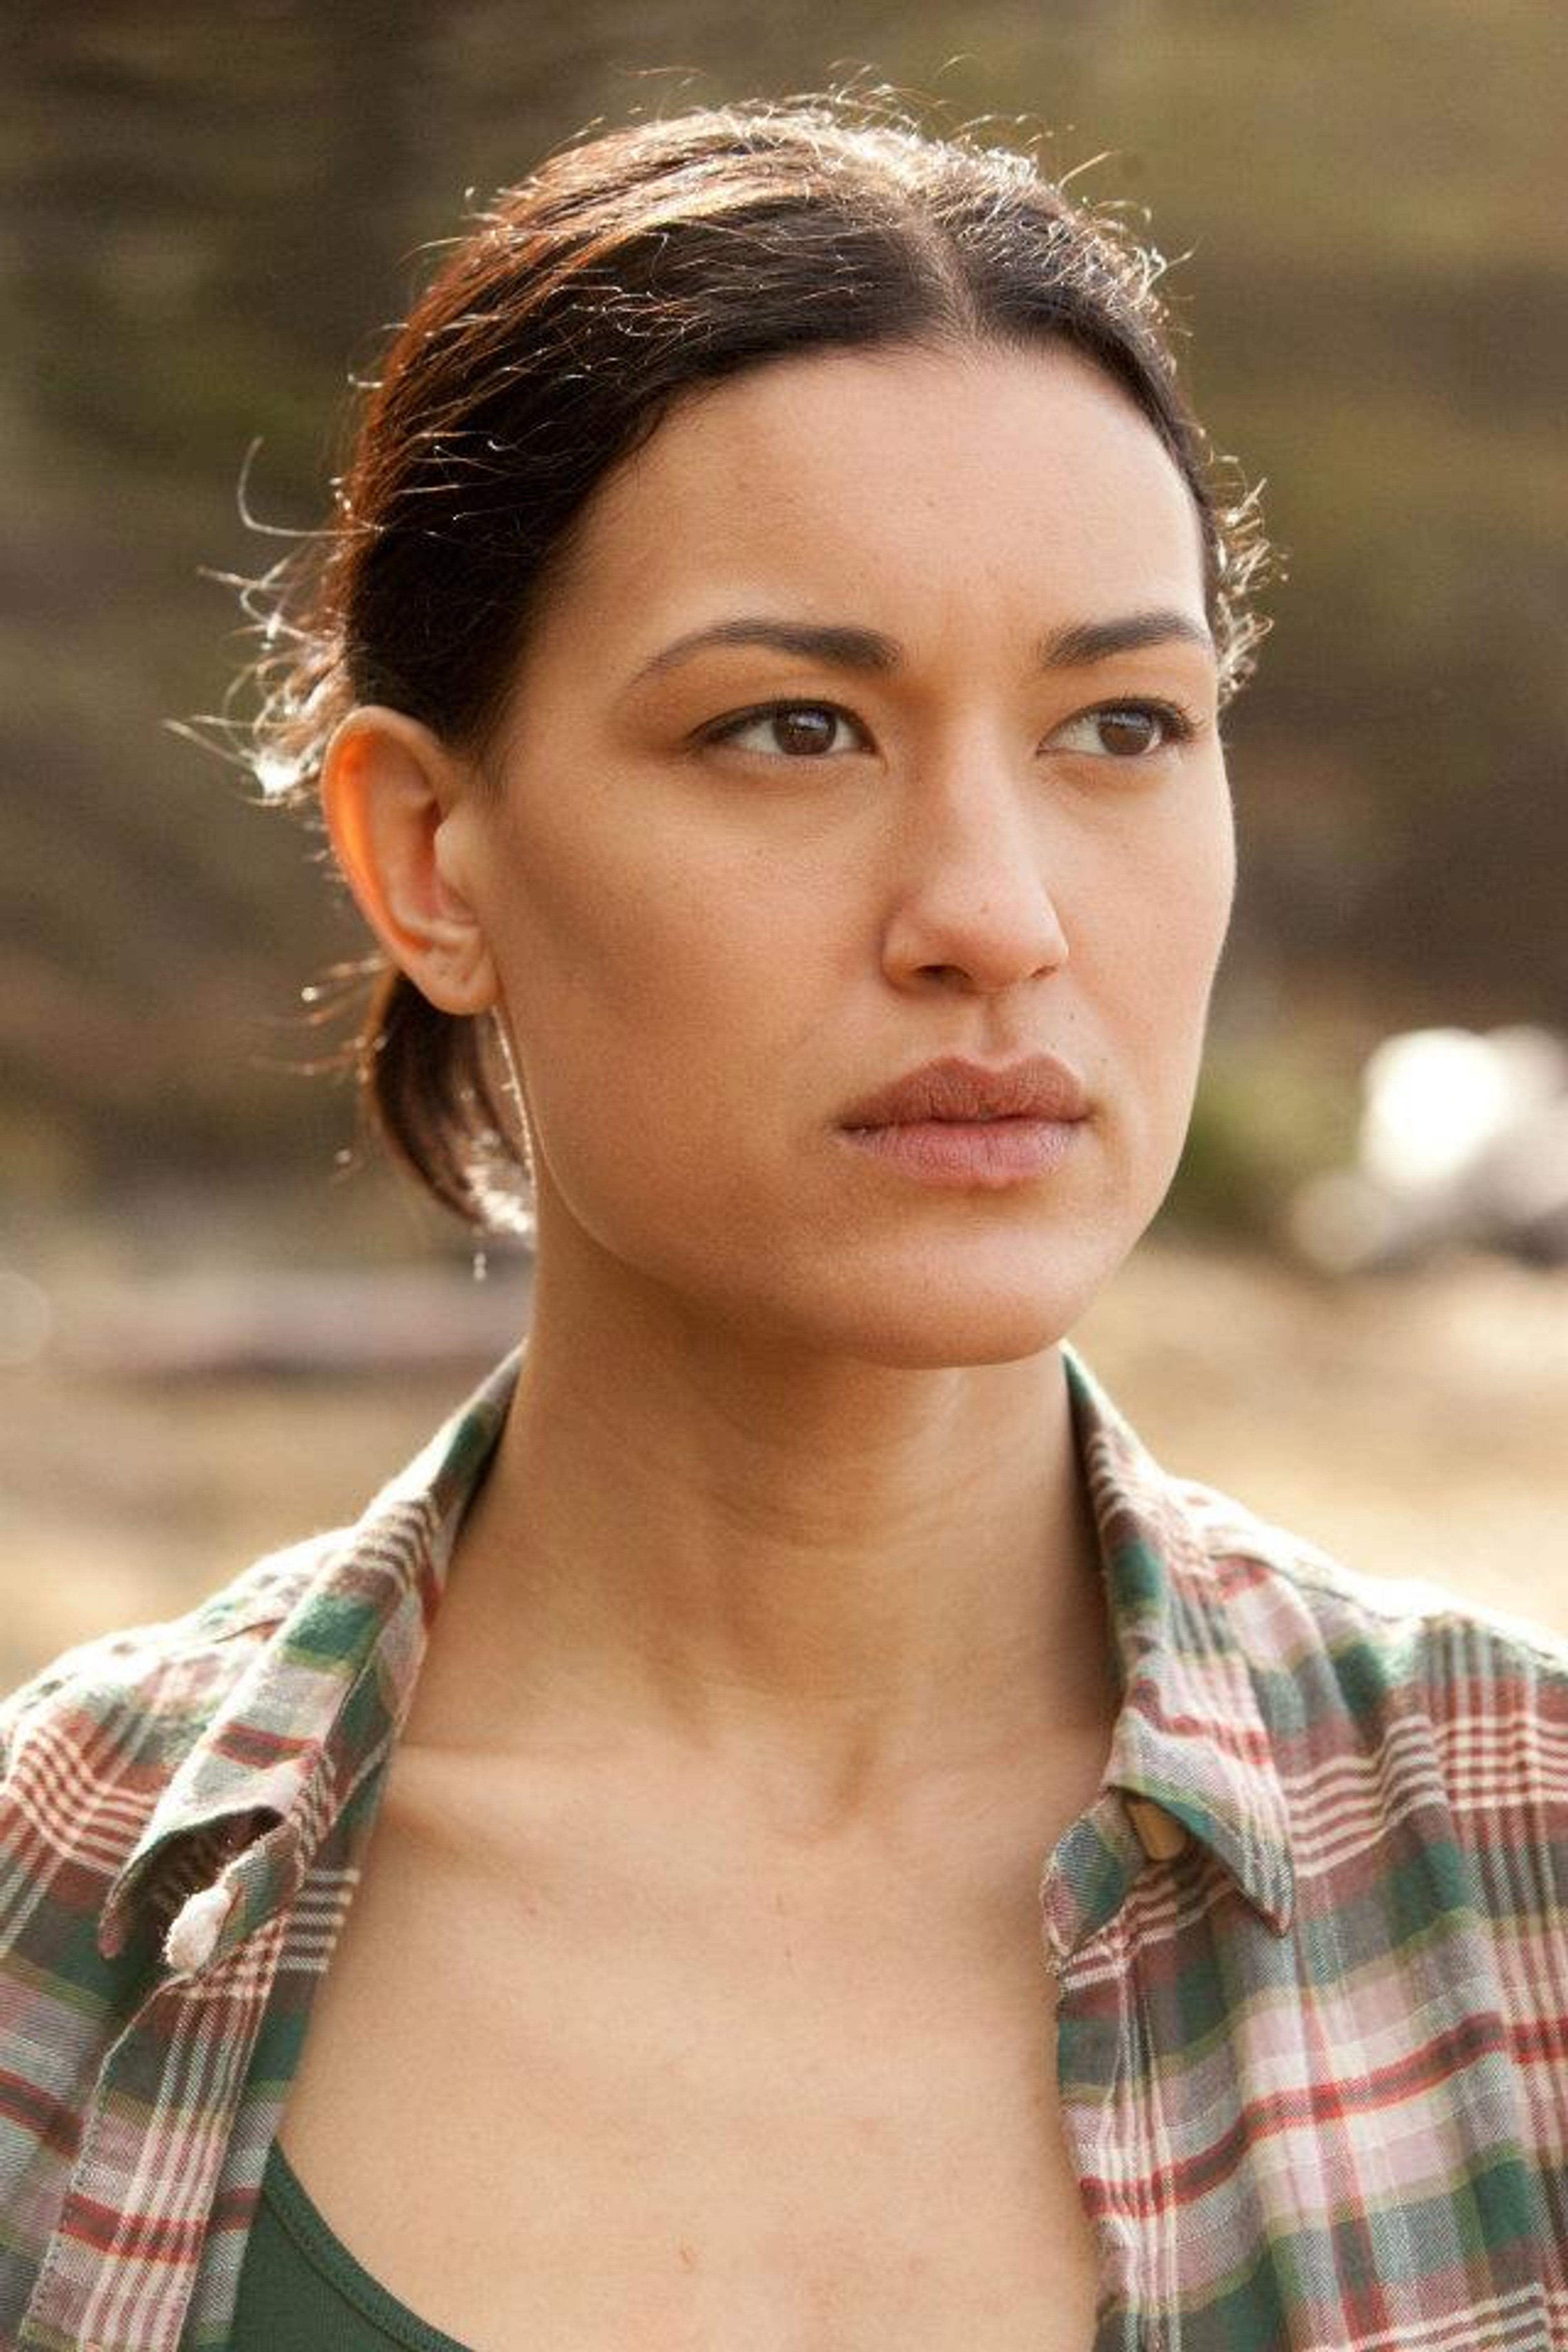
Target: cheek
[1160, 890]
[1154, 935]
[1179, 936]
[651, 982]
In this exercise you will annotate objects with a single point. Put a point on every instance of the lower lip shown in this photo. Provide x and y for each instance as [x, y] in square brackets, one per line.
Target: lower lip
[990, 1152]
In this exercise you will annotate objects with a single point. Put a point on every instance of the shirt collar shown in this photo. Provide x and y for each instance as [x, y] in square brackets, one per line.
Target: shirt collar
[1191, 1735]
[316, 1707]
[237, 1826]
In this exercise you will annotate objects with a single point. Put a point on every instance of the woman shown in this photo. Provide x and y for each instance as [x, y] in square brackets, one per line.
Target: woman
[860, 1855]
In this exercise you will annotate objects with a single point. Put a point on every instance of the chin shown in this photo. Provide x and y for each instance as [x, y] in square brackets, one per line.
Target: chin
[936, 1351]
[981, 1332]
[926, 1317]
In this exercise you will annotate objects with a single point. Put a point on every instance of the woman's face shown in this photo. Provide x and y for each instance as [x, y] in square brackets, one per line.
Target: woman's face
[734, 879]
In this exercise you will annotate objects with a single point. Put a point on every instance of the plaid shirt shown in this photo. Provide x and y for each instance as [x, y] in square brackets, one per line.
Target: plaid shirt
[1310, 1941]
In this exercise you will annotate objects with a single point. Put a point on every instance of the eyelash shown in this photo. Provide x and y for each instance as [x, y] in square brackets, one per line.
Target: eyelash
[1179, 726]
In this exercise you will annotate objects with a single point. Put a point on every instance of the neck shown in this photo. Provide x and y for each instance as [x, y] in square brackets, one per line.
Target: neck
[862, 1571]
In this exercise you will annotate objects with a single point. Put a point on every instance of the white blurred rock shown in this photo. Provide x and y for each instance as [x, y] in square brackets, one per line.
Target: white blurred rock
[1463, 1141]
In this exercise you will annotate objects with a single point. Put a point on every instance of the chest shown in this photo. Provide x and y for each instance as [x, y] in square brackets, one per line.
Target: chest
[562, 2101]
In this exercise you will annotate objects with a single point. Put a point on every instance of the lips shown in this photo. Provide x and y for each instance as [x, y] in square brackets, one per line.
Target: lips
[966, 1126]
[963, 1092]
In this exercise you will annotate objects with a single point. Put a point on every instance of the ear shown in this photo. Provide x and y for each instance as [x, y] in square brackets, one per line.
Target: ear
[389, 787]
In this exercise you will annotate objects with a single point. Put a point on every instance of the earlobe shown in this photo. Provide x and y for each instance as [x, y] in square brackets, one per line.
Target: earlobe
[389, 789]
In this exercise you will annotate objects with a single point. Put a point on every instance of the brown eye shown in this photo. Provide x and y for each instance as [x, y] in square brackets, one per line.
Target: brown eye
[804, 729]
[1124, 731]
[800, 730]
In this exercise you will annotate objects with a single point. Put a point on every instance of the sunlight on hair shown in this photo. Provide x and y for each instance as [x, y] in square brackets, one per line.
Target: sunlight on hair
[276, 774]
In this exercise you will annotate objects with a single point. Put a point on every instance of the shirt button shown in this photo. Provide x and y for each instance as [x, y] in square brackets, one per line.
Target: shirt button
[1160, 1836]
[192, 1936]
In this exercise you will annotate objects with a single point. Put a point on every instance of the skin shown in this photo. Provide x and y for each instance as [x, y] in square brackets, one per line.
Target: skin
[786, 1517]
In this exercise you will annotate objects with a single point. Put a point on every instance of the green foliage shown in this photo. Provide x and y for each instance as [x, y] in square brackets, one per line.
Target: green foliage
[1266, 1118]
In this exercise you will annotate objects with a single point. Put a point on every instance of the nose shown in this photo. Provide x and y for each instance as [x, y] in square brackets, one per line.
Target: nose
[973, 909]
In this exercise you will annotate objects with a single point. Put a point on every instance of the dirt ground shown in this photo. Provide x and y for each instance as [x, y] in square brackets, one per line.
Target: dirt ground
[1414, 1426]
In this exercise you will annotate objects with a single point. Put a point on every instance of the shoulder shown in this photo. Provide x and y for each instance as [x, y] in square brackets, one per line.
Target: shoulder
[101, 1728]
[128, 1757]
[1278, 1582]
[1435, 1696]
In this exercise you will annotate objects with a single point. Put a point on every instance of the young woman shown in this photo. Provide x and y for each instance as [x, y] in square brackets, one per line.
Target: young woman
[785, 1826]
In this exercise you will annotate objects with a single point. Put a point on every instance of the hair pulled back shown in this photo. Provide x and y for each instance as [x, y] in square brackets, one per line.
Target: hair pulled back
[550, 343]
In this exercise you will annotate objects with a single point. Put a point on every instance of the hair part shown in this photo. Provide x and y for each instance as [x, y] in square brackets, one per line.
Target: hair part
[630, 268]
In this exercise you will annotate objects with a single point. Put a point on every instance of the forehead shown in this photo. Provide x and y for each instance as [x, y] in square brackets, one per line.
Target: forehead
[891, 476]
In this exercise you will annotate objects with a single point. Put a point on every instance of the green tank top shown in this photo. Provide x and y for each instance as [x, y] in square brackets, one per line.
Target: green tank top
[300, 2290]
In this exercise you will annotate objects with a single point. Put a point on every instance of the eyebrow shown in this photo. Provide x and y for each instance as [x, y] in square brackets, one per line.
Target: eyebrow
[1075, 646]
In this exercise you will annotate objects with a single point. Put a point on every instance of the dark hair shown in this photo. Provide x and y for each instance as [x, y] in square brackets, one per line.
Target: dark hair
[550, 343]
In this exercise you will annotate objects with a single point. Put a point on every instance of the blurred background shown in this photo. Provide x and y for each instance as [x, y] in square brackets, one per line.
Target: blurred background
[222, 1320]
